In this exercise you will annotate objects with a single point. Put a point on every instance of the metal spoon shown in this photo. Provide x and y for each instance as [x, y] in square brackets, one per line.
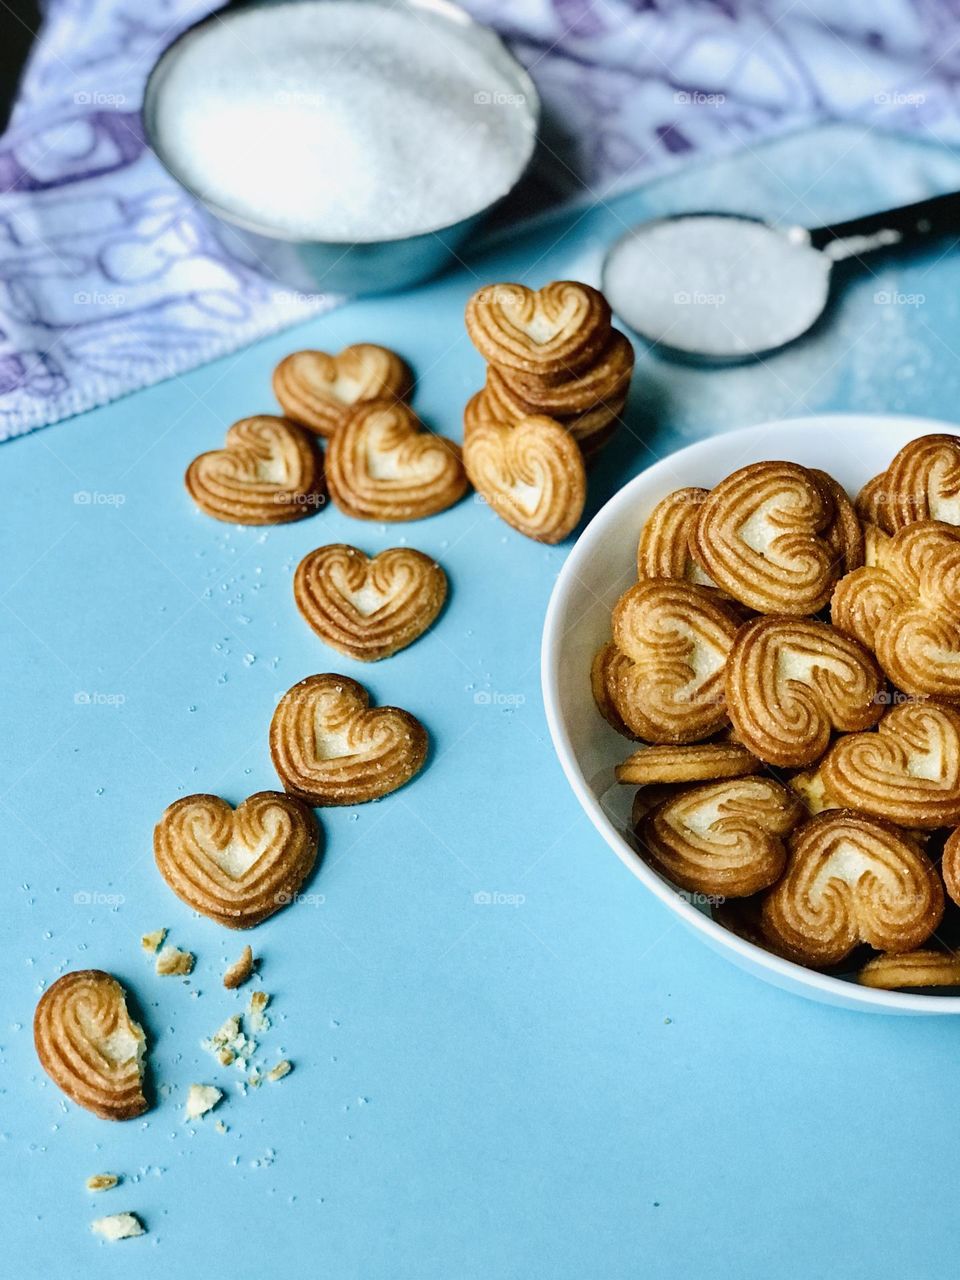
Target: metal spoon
[724, 287]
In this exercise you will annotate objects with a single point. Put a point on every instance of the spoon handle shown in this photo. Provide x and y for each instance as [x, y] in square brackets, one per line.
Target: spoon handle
[938, 215]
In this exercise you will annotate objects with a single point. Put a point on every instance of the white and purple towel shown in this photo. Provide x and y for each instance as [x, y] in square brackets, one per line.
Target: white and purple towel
[109, 280]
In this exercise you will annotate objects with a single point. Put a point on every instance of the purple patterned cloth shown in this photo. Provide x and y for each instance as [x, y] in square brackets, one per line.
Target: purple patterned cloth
[109, 280]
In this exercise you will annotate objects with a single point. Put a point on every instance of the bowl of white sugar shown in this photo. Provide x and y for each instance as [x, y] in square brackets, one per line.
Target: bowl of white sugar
[342, 145]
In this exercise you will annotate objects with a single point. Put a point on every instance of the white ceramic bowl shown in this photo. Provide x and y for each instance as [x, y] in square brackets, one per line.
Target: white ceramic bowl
[602, 565]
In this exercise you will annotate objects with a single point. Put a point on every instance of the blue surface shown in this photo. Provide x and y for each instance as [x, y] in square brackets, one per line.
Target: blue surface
[562, 1083]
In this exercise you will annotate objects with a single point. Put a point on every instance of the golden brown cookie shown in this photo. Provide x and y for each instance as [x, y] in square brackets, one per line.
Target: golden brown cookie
[531, 472]
[268, 472]
[382, 465]
[923, 483]
[551, 333]
[906, 608]
[723, 838]
[894, 971]
[692, 762]
[608, 662]
[908, 771]
[604, 381]
[871, 500]
[851, 879]
[812, 790]
[677, 637]
[237, 866]
[844, 535]
[89, 1045]
[316, 389]
[369, 608]
[666, 540]
[330, 747]
[766, 536]
[790, 681]
[950, 865]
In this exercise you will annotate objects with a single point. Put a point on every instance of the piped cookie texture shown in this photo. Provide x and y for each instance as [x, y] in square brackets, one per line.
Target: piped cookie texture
[790, 682]
[550, 333]
[852, 879]
[90, 1046]
[330, 747]
[317, 390]
[921, 483]
[665, 548]
[531, 472]
[369, 607]
[236, 866]
[766, 535]
[383, 465]
[268, 472]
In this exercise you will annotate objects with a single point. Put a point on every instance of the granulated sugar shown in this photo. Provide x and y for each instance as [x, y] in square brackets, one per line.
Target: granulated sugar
[714, 285]
[346, 121]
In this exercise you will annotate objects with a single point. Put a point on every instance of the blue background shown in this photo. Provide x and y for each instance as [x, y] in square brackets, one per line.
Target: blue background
[564, 1084]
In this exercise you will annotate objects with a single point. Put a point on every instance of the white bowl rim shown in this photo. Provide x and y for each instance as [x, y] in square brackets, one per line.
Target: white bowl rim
[793, 975]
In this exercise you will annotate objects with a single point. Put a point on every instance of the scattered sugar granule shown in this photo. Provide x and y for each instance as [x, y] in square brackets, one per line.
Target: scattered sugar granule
[172, 962]
[102, 1182]
[118, 1226]
[152, 941]
[280, 1070]
[258, 1018]
[240, 970]
[201, 1099]
[221, 1127]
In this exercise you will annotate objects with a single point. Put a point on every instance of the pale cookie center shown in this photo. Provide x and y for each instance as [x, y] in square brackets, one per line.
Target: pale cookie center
[760, 530]
[346, 387]
[849, 864]
[237, 857]
[273, 470]
[703, 659]
[700, 822]
[367, 600]
[119, 1047]
[388, 459]
[926, 765]
[944, 506]
[797, 664]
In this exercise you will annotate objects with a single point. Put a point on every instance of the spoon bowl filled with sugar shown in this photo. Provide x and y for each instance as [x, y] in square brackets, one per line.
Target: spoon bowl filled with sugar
[342, 145]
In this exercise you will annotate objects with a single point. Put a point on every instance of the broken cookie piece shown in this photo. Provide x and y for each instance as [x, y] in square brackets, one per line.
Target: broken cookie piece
[200, 1099]
[118, 1226]
[257, 1011]
[152, 941]
[172, 962]
[240, 970]
[102, 1182]
[280, 1070]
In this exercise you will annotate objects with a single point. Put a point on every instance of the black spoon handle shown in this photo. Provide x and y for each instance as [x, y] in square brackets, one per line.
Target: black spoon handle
[937, 216]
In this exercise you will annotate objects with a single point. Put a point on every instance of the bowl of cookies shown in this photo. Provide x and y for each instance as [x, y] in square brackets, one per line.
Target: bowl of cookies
[751, 675]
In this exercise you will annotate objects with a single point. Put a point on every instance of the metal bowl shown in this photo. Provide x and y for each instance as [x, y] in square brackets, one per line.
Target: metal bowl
[365, 265]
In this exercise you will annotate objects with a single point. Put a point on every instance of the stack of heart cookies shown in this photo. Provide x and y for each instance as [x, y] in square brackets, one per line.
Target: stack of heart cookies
[550, 352]
[790, 662]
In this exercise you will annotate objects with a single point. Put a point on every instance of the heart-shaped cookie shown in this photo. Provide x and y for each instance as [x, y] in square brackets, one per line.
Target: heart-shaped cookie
[316, 389]
[383, 465]
[531, 472]
[89, 1045]
[330, 747]
[763, 536]
[664, 549]
[723, 838]
[605, 670]
[851, 879]
[790, 681]
[844, 535]
[922, 483]
[898, 972]
[369, 608]
[551, 333]
[591, 429]
[907, 772]
[604, 381]
[676, 637]
[907, 608]
[693, 762]
[237, 866]
[269, 472]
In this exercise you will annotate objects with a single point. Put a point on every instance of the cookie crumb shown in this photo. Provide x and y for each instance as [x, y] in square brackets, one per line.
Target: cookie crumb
[229, 1044]
[258, 1003]
[240, 970]
[102, 1182]
[172, 962]
[280, 1070]
[201, 1099]
[152, 941]
[221, 1127]
[118, 1226]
